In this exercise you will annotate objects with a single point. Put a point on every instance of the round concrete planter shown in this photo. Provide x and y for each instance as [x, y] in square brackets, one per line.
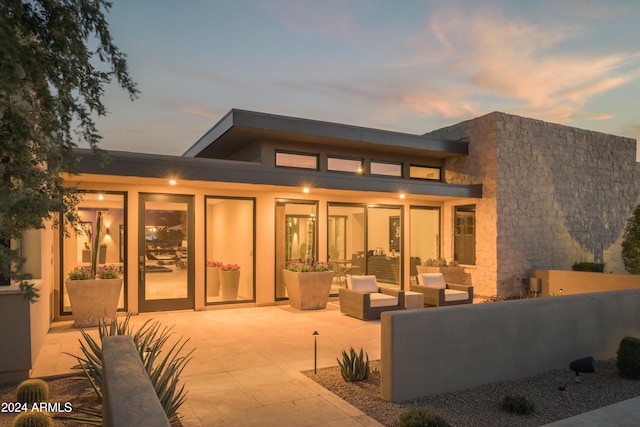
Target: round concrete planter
[308, 291]
[451, 274]
[229, 282]
[93, 301]
[213, 281]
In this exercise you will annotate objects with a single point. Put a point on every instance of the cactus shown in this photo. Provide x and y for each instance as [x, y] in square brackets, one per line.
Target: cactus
[32, 419]
[32, 390]
[354, 367]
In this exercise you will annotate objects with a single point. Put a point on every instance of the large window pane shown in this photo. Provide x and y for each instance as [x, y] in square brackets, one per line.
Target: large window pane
[346, 242]
[296, 237]
[230, 225]
[77, 249]
[425, 236]
[384, 245]
[464, 243]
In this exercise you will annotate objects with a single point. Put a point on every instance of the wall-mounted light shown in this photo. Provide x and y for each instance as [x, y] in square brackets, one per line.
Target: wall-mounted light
[100, 196]
[108, 232]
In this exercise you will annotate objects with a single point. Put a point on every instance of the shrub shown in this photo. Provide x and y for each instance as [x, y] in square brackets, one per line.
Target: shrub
[302, 266]
[518, 405]
[440, 262]
[33, 390]
[628, 362]
[80, 273]
[419, 417]
[631, 243]
[32, 419]
[354, 366]
[594, 267]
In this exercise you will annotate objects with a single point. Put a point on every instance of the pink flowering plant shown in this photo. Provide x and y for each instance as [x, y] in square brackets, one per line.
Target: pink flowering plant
[229, 267]
[109, 272]
[212, 263]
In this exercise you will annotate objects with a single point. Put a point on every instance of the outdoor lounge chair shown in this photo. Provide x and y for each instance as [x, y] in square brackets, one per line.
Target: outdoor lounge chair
[362, 298]
[439, 293]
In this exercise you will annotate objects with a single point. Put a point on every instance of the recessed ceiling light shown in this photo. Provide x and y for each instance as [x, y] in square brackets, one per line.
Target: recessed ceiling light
[172, 182]
[402, 195]
[305, 190]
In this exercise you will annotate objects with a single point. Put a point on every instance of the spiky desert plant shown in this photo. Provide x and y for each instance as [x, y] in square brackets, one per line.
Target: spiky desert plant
[32, 419]
[32, 390]
[164, 367]
[354, 366]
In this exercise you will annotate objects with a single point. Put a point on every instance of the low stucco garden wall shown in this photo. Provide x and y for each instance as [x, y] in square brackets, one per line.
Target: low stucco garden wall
[129, 397]
[582, 282]
[435, 350]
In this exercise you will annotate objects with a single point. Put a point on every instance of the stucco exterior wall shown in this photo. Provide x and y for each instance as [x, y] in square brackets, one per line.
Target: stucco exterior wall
[552, 195]
[468, 345]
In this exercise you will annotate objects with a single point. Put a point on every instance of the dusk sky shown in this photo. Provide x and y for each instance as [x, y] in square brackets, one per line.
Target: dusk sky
[407, 66]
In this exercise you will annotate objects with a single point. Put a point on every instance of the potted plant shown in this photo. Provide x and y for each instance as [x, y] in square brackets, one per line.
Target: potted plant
[94, 299]
[451, 270]
[229, 281]
[94, 292]
[308, 284]
[213, 278]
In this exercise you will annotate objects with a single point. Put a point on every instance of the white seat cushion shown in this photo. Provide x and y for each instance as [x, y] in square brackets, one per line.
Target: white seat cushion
[382, 300]
[432, 280]
[453, 295]
[362, 283]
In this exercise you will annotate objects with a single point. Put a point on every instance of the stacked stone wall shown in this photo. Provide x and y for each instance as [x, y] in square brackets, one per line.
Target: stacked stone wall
[564, 195]
[552, 195]
[477, 168]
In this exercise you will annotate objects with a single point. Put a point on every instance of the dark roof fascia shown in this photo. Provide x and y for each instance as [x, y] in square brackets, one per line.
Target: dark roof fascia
[381, 139]
[233, 171]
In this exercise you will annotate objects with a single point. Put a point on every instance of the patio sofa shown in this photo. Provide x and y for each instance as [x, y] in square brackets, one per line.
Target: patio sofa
[362, 298]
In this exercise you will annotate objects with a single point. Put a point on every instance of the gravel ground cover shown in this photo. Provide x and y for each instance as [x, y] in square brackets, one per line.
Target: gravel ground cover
[555, 394]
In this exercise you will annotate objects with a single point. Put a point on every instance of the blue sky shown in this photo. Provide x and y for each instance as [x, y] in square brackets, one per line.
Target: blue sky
[407, 66]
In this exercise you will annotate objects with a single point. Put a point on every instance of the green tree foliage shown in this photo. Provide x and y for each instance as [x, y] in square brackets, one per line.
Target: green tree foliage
[56, 56]
[631, 243]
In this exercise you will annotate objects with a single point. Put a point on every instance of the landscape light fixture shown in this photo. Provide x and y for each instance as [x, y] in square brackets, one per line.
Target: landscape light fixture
[315, 352]
[583, 365]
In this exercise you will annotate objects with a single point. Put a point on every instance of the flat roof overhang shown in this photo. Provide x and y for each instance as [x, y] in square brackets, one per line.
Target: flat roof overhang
[232, 171]
[239, 128]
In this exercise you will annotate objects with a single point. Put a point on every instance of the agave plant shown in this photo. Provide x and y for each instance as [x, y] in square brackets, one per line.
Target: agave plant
[164, 367]
[354, 366]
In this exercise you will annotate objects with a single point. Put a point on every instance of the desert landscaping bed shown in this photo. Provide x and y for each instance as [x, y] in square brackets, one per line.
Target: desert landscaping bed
[555, 394]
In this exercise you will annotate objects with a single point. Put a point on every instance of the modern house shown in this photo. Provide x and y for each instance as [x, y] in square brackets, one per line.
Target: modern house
[501, 194]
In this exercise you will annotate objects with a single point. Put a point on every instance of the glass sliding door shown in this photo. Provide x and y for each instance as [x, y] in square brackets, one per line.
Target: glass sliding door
[165, 252]
[296, 236]
[230, 239]
[78, 248]
[424, 236]
[384, 245]
[346, 242]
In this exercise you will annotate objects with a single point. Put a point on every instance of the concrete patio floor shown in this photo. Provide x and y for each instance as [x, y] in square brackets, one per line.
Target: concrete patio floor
[246, 365]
